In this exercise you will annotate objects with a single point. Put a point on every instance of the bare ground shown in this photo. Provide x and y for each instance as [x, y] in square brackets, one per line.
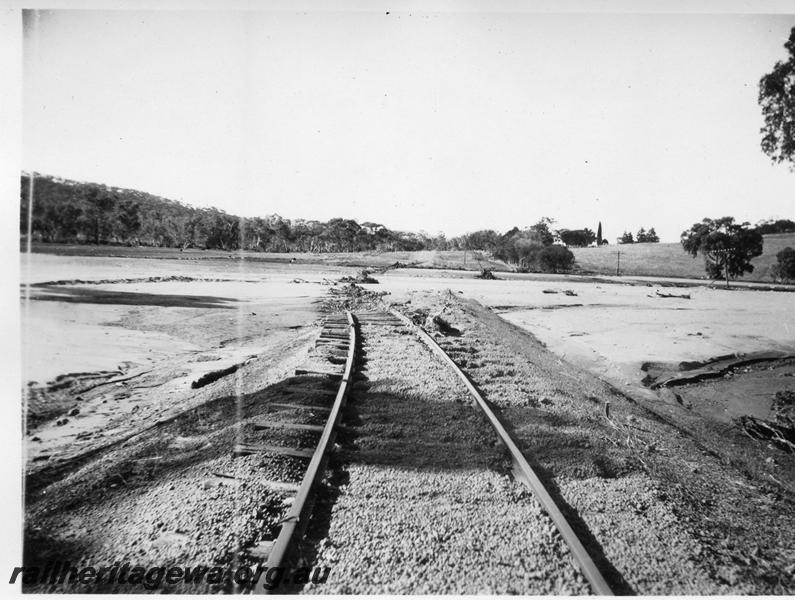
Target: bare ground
[665, 503]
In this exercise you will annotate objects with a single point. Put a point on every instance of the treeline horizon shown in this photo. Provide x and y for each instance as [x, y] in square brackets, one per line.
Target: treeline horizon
[67, 211]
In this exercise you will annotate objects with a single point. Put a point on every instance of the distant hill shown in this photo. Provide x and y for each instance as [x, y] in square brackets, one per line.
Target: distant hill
[74, 212]
[669, 260]
[82, 217]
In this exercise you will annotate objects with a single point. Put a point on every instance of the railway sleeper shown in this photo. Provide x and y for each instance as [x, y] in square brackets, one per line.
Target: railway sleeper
[289, 405]
[296, 389]
[335, 360]
[331, 345]
[248, 449]
[334, 351]
[266, 425]
[281, 486]
[261, 424]
[308, 371]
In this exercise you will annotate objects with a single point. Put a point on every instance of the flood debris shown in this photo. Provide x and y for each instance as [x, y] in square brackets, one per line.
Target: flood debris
[566, 292]
[687, 372]
[660, 294]
[351, 296]
[395, 265]
[57, 397]
[154, 279]
[417, 315]
[362, 277]
[486, 274]
[780, 430]
[436, 322]
[212, 376]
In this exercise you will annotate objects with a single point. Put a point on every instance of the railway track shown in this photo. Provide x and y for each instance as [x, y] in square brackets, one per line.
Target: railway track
[416, 496]
[330, 365]
[334, 361]
[521, 468]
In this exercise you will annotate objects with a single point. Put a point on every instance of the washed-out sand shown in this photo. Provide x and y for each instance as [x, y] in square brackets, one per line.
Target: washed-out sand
[60, 338]
[616, 328]
[608, 326]
[91, 327]
[159, 337]
[611, 329]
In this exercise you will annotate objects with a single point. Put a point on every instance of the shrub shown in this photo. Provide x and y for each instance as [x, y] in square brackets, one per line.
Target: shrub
[554, 259]
[784, 269]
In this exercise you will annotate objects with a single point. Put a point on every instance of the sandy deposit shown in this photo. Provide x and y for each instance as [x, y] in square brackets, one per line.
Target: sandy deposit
[81, 327]
[61, 337]
[154, 338]
[611, 329]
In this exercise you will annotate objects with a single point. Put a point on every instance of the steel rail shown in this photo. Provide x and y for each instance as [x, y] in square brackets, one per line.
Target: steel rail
[295, 522]
[521, 468]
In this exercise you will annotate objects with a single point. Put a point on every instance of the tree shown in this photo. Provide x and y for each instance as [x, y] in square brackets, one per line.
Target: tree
[599, 234]
[527, 251]
[522, 246]
[129, 218]
[100, 204]
[777, 226]
[784, 269]
[439, 241]
[626, 238]
[542, 230]
[727, 247]
[577, 237]
[484, 239]
[777, 99]
[646, 237]
[555, 259]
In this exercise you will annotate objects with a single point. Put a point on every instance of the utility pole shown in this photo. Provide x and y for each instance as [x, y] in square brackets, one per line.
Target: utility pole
[618, 263]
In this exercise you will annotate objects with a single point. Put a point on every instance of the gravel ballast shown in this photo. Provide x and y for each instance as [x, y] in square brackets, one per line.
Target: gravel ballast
[427, 507]
[175, 494]
[659, 508]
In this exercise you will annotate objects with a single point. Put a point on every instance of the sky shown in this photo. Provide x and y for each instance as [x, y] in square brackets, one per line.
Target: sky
[449, 121]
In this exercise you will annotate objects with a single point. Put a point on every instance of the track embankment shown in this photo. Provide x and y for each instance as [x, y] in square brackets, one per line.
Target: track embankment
[428, 505]
[667, 514]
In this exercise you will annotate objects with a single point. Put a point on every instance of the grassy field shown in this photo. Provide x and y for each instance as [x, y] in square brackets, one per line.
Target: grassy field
[429, 259]
[669, 260]
[660, 260]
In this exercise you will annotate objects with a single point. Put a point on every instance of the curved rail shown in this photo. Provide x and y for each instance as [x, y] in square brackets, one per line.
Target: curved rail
[521, 468]
[295, 521]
